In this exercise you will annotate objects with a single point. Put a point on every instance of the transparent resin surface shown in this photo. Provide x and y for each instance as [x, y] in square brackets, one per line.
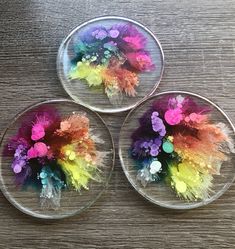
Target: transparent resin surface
[27, 197]
[178, 188]
[110, 63]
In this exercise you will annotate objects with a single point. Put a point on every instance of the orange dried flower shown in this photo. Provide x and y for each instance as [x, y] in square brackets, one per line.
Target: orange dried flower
[74, 128]
[127, 81]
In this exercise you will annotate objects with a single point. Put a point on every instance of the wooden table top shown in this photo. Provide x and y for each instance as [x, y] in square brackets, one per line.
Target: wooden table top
[198, 38]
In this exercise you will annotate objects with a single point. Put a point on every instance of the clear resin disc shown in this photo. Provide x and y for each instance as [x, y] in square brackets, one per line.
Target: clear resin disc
[56, 159]
[177, 150]
[110, 63]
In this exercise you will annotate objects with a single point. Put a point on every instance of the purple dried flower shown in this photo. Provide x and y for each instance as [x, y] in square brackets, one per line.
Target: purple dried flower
[20, 164]
[158, 141]
[15, 142]
[17, 165]
[157, 124]
[136, 148]
[155, 147]
[146, 147]
[114, 33]
[101, 34]
[95, 32]
[130, 39]
[89, 34]
[20, 158]
[154, 150]
[21, 177]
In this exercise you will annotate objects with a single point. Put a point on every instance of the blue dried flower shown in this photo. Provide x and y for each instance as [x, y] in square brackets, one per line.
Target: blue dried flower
[47, 174]
[51, 188]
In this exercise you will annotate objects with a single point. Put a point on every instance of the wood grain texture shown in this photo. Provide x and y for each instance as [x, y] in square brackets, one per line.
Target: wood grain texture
[198, 38]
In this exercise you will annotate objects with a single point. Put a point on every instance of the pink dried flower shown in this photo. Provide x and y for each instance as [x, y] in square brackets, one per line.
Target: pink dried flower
[135, 43]
[38, 132]
[44, 121]
[41, 149]
[141, 61]
[38, 150]
[32, 153]
[173, 116]
[195, 117]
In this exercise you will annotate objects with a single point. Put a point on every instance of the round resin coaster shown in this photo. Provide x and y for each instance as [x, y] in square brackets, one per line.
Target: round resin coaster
[110, 63]
[177, 150]
[56, 159]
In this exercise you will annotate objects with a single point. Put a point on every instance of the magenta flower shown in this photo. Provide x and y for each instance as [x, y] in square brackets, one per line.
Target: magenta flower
[32, 153]
[41, 148]
[141, 61]
[38, 150]
[38, 132]
[173, 116]
[135, 43]
[44, 120]
[134, 40]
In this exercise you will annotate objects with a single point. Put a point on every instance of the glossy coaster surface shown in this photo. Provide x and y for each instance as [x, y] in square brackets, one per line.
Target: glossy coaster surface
[56, 159]
[110, 63]
[177, 150]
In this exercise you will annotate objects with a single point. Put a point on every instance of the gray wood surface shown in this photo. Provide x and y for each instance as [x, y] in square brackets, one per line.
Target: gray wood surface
[198, 38]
